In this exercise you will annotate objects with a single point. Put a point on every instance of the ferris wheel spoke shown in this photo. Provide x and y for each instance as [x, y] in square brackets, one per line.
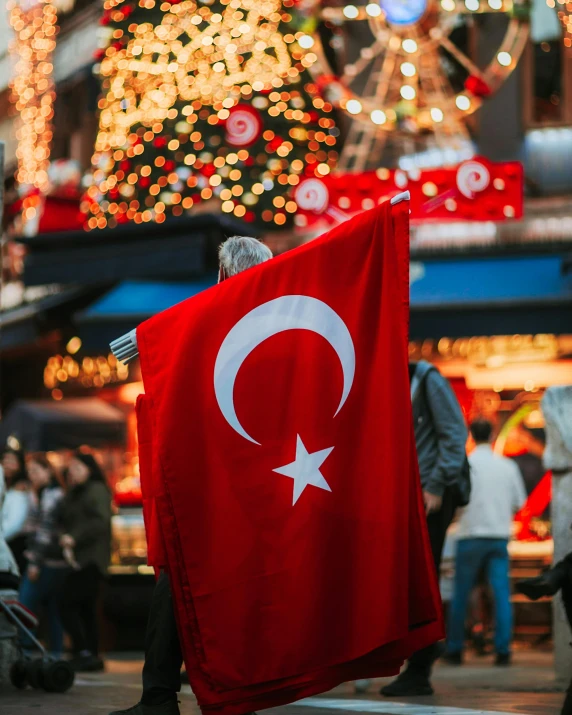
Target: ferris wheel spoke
[385, 76]
[351, 71]
[461, 57]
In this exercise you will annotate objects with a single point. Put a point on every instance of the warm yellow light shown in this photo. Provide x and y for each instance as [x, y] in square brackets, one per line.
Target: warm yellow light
[410, 46]
[407, 92]
[351, 12]
[73, 345]
[408, 69]
[437, 114]
[504, 59]
[353, 106]
[463, 102]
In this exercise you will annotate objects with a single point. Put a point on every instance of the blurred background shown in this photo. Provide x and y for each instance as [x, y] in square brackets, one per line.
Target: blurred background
[139, 134]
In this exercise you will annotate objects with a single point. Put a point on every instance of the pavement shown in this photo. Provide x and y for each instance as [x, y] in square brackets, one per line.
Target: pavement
[476, 688]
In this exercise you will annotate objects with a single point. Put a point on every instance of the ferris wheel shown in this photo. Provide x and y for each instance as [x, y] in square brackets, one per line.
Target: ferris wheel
[411, 77]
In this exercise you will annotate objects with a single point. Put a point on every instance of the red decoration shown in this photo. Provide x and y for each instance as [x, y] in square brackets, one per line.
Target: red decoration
[98, 55]
[243, 126]
[160, 142]
[169, 165]
[477, 86]
[476, 190]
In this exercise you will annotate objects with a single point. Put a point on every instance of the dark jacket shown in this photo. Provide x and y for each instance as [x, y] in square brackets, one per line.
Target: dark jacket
[43, 529]
[86, 516]
[440, 430]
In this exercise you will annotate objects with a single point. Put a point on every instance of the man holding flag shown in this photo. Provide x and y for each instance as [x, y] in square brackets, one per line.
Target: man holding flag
[293, 536]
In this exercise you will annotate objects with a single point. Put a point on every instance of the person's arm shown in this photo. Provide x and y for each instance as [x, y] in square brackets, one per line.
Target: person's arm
[14, 513]
[95, 521]
[519, 495]
[451, 433]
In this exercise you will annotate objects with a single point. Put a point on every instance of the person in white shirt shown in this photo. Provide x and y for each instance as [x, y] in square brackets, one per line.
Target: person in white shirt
[497, 493]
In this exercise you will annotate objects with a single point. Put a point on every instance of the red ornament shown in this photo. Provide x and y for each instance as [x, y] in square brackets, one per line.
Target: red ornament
[105, 19]
[122, 218]
[117, 46]
[127, 10]
[160, 142]
[249, 216]
[243, 126]
[249, 161]
[169, 165]
[144, 182]
[98, 55]
[125, 165]
[275, 143]
[477, 86]
[208, 170]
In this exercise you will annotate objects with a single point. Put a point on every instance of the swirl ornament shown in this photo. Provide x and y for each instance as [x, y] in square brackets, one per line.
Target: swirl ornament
[472, 178]
[243, 126]
[312, 195]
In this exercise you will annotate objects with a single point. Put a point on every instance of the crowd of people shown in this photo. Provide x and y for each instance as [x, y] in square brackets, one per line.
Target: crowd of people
[57, 525]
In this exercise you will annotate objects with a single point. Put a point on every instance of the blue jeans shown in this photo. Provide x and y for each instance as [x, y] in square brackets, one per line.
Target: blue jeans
[45, 593]
[472, 555]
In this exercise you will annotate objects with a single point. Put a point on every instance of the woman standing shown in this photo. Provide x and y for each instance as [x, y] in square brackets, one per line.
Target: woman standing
[85, 521]
[16, 504]
[43, 579]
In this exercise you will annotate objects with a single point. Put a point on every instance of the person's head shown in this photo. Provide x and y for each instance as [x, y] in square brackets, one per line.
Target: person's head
[482, 431]
[14, 466]
[238, 253]
[83, 468]
[41, 471]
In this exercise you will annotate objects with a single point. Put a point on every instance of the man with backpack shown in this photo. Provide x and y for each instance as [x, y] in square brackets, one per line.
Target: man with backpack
[440, 436]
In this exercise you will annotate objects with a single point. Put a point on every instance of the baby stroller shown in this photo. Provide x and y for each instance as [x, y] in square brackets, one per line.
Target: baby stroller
[42, 672]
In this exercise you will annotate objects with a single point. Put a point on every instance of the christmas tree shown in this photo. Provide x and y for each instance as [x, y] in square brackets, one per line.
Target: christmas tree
[206, 100]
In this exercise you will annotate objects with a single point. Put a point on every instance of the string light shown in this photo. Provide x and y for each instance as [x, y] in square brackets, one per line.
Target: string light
[87, 372]
[33, 93]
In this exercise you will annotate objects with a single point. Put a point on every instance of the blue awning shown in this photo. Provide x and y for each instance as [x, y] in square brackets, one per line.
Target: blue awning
[477, 281]
[474, 296]
[138, 300]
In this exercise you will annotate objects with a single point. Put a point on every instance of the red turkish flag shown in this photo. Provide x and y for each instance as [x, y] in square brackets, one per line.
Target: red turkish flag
[279, 470]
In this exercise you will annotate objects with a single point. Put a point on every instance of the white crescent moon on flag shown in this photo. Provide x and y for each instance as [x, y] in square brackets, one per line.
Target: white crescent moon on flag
[289, 312]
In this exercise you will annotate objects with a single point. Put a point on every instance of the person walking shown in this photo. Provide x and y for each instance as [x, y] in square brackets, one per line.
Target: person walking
[43, 579]
[163, 656]
[85, 522]
[484, 530]
[440, 437]
[16, 505]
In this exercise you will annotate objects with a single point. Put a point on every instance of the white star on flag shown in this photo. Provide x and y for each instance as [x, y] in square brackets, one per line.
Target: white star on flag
[305, 469]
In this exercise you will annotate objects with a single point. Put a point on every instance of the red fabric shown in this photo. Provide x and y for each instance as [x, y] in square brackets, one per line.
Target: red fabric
[535, 505]
[275, 600]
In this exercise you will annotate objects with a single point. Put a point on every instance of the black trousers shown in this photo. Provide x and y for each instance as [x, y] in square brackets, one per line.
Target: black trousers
[78, 608]
[437, 523]
[163, 657]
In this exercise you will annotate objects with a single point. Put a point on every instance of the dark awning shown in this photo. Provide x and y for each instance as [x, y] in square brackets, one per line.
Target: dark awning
[178, 249]
[24, 325]
[43, 425]
[461, 297]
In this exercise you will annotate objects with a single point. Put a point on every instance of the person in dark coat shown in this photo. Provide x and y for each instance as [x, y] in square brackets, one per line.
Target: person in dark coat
[85, 522]
[43, 579]
[440, 436]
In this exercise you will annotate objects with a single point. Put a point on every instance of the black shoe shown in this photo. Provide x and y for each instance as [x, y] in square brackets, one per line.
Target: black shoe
[535, 588]
[503, 659]
[171, 707]
[87, 664]
[452, 658]
[408, 684]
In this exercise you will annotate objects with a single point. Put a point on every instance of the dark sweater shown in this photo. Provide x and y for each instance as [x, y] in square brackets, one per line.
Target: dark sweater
[86, 516]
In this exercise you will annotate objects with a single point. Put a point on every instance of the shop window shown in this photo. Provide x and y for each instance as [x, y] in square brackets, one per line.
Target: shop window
[548, 69]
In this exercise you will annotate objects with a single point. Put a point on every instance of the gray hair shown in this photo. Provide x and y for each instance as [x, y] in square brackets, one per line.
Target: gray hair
[238, 253]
